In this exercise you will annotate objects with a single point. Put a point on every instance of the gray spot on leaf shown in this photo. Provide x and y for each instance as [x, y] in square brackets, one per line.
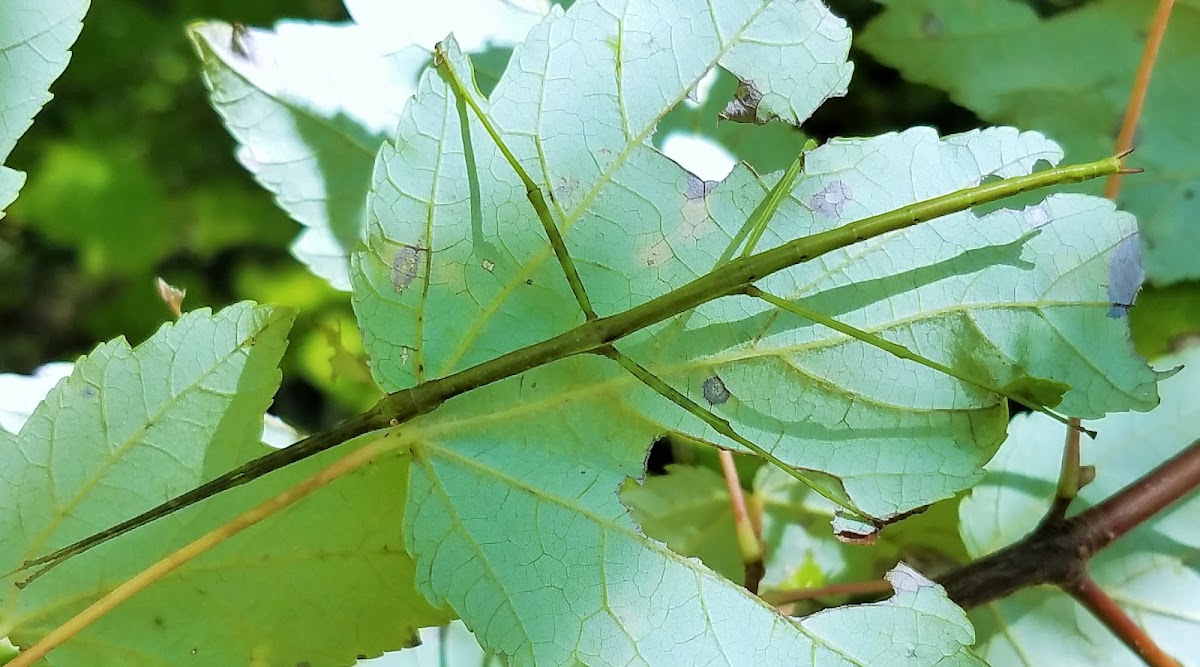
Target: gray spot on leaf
[405, 266]
[1125, 275]
[831, 199]
[1036, 215]
[698, 188]
[714, 391]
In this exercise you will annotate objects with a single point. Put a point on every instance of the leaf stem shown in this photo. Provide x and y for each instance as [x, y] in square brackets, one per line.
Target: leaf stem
[1057, 550]
[401, 406]
[441, 61]
[749, 541]
[1141, 84]
[174, 561]
[1087, 593]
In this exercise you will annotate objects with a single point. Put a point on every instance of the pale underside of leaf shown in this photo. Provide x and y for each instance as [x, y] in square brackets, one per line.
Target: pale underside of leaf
[35, 42]
[309, 105]
[513, 522]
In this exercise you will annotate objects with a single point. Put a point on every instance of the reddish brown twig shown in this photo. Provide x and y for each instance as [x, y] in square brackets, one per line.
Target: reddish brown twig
[1104, 608]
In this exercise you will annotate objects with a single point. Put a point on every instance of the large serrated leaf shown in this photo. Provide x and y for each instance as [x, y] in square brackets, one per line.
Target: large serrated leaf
[444, 214]
[511, 485]
[1070, 76]
[35, 38]
[513, 522]
[1020, 299]
[131, 427]
[1153, 573]
[1030, 300]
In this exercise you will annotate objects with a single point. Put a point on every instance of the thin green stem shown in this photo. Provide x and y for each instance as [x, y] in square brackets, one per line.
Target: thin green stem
[442, 62]
[732, 278]
[893, 348]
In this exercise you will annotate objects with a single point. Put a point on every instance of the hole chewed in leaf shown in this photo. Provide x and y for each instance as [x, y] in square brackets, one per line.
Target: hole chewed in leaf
[1125, 276]
[406, 263]
[715, 391]
[831, 199]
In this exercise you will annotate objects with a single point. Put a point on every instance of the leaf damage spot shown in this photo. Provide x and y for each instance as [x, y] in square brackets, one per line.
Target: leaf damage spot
[715, 391]
[696, 223]
[1036, 215]
[564, 188]
[698, 188]
[488, 265]
[405, 265]
[1125, 276]
[831, 199]
[743, 108]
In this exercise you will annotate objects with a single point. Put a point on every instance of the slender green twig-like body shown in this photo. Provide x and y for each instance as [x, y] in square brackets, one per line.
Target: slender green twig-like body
[901, 352]
[732, 278]
[532, 191]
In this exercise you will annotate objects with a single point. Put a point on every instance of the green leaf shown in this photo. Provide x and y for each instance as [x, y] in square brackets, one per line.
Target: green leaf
[1069, 76]
[1016, 298]
[513, 521]
[35, 36]
[1153, 573]
[513, 518]
[309, 105]
[1011, 295]
[130, 428]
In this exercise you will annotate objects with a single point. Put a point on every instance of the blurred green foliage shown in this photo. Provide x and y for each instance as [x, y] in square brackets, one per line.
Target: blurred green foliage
[131, 176]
